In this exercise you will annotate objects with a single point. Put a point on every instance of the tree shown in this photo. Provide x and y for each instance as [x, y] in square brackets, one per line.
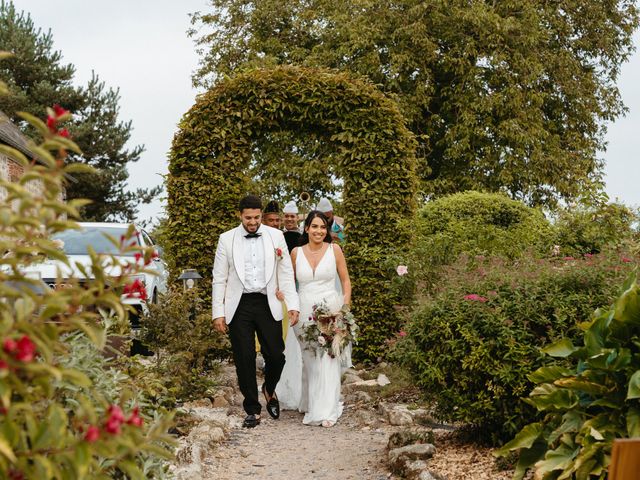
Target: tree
[38, 78]
[503, 96]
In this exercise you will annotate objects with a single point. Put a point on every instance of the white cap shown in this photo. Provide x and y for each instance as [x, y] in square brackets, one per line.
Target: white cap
[324, 205]
[290, 207]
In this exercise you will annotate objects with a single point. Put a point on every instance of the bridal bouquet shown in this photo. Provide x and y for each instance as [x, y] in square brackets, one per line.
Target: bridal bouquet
[330, 331]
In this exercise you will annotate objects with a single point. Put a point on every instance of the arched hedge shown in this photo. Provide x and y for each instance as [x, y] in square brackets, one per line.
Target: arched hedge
[212, 150]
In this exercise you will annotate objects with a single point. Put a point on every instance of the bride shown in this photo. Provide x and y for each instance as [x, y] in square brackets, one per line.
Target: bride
[318, 264]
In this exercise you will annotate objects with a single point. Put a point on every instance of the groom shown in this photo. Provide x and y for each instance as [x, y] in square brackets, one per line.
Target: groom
[252, 261]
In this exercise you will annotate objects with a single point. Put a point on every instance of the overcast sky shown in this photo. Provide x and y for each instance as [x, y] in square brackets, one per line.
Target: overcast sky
[141, 47]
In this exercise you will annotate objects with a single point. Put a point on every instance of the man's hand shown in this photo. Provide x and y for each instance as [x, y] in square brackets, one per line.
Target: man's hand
[220, 325]
[294, 315]
[279, 294]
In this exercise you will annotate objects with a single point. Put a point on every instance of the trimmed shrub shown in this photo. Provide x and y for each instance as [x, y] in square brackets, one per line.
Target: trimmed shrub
[590, 404]
[209, 172]
[476, 223]
[471, 345]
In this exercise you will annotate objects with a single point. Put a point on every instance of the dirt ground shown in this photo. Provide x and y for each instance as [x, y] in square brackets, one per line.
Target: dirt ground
[287, 449]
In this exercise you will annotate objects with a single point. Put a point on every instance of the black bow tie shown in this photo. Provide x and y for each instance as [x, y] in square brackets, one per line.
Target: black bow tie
[252, 235]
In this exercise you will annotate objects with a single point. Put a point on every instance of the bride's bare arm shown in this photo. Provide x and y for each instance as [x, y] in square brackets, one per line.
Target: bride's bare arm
[343, 273]
[294, 254]
[280, 293]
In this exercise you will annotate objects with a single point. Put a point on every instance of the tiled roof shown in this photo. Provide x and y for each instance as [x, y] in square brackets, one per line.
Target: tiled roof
[11, 135]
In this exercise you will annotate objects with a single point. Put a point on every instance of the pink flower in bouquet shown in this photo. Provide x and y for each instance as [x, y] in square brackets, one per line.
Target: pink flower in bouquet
[402, 270]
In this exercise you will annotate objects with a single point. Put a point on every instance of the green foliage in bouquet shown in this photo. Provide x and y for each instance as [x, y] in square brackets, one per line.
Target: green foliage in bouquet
[56, 419]
[471, 345]
[587, 401]
[187, 348]
[330, 332]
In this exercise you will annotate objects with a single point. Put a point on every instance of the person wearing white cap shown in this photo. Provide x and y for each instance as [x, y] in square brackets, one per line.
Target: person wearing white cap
[291, 232]
[336, 230]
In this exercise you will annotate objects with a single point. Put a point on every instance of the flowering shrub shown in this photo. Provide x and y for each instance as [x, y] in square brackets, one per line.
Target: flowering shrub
[472, 344]
[587, 401]
[54, 421]
[187, 348]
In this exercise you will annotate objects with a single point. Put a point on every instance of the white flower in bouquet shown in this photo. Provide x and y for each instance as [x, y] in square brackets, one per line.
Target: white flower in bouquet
[321, 341]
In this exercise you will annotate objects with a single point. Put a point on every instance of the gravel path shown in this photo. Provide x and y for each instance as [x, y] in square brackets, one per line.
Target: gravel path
[287, 449]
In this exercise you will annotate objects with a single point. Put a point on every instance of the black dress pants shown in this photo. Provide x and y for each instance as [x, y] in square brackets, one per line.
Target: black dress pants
[252, 317]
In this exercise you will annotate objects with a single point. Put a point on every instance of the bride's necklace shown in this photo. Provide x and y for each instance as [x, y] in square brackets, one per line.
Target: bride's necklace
[315, 252]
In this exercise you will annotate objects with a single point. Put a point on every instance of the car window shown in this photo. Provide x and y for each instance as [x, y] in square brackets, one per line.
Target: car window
[76, 242]
[147, 239]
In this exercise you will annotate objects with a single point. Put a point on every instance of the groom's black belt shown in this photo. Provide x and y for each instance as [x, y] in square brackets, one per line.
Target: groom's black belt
[253, 294]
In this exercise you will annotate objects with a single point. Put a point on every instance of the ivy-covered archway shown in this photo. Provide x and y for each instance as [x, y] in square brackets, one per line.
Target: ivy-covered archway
[212, 150]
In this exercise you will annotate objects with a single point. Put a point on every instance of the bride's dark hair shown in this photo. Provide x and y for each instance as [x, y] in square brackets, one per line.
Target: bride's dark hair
[304, 238]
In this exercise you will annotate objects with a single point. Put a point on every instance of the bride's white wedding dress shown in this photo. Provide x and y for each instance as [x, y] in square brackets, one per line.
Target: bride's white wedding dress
[289, 388]
[320, 396]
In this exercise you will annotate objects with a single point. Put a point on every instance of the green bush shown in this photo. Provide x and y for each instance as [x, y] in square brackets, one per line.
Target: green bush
[476, 223]
[589, 230]
[471, 345]
[187, 348]
[589, 404]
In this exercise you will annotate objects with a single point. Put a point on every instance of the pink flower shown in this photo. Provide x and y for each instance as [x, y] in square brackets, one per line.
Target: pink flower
[279, 253]
[137, 288]
[9, 345]
[626, 259]
[135, 419]
[52, 124]
[116, 418]
[568, 258]
[588, 255]
[93, 433]
[402, 333]
[26, 349]
[402, 270]
[473, 297]
[3, 365]
[59, 111]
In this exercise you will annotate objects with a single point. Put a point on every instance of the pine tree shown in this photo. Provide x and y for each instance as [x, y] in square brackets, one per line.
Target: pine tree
[37, 77]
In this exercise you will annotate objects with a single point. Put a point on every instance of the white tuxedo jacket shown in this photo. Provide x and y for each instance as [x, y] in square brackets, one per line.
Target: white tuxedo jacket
[228, 272]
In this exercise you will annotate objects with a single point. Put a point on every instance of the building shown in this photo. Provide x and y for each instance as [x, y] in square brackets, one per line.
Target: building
[9, 168]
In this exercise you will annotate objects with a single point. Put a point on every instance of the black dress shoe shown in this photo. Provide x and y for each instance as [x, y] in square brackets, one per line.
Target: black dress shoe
[273, 405]
[251, 421]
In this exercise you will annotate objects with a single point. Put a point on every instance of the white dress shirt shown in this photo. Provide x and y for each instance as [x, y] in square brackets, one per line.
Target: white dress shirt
[254, 268]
